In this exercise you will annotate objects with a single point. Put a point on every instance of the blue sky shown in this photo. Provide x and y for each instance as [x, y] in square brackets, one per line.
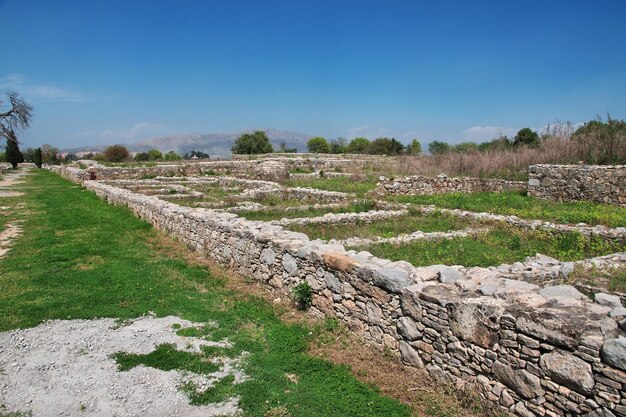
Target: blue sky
[119, 71]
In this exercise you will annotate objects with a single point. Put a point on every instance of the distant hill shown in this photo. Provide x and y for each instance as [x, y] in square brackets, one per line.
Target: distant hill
[215, 144]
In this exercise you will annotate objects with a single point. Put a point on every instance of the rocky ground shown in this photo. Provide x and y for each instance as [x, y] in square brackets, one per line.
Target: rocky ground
[65, 368]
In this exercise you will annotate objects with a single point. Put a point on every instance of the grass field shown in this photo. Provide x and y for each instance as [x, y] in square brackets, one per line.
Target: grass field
[501, 245]
[80, 258]
[511, 203]
[436, 222]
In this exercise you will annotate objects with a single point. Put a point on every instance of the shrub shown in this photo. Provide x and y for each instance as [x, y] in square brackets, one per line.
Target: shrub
[436, 147]
[466, 147]
[116, 153]
[602, 143]
[155, 154]
[171, 156]
[142, 156]
[303, 295]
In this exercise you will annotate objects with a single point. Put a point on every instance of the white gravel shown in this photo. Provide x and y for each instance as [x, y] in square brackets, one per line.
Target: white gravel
[64, 368]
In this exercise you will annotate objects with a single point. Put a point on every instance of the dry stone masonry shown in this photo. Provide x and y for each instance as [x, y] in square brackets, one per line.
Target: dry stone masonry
[406, 238]
[270, 167]
[600, 183]
[535, 351]
[617, 234]
[421, 185]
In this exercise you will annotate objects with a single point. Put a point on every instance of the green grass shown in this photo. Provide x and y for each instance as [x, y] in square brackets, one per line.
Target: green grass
[614, 279]
[435, 222]
[166, 358]
[266, 215]
[512, 203]
[80, 258]
[358, 185]
[617, 280]
[502, 245]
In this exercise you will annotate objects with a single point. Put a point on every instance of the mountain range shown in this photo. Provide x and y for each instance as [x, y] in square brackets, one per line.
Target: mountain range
[215, 144]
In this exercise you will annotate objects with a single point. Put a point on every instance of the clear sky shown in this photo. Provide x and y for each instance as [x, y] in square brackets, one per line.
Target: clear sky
[118, 71]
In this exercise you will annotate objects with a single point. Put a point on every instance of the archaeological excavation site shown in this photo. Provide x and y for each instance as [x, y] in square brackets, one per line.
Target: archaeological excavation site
[505, 290]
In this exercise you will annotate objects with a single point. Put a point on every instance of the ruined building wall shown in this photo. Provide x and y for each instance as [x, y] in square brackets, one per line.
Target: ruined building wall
[599, 183]
[421, 185]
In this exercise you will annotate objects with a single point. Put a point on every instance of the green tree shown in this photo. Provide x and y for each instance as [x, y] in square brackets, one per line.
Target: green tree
[171, 156]
[338, 145]
[155, 155]
[197, 154]
[142, 156]
[252, 143]
[13, 154]
[29, 154]
[466, 147]
[318, 145]
[38, 159]
[526, 136]
[415, 148]
[437, 147]
[358, 145]
[385, 146]
[116, 153]
[70, 157]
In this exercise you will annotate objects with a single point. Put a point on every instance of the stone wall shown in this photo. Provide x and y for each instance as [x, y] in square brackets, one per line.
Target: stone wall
[421, 185]
[535, 351]
[599, 183]
[236, 167]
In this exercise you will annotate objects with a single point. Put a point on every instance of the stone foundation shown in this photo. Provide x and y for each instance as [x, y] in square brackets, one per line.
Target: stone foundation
[599, 183]
[534, 351]
[243, 167]
[421, 185]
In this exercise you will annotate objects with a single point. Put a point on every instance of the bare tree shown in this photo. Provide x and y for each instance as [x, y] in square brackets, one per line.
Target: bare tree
[17, 117]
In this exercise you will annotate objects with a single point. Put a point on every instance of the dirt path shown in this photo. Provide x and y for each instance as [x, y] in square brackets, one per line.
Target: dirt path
[11, 231]
[65, 368]
[10, 180]
[8, 183]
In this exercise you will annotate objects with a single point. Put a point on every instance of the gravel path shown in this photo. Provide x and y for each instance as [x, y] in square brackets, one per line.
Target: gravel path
[64, 368]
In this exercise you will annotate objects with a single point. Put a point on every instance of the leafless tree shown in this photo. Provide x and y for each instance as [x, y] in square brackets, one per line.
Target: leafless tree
[17, 117]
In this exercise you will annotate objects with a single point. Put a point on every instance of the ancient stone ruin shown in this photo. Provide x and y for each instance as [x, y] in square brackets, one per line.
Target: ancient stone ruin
[600, 183]
[533, 348]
